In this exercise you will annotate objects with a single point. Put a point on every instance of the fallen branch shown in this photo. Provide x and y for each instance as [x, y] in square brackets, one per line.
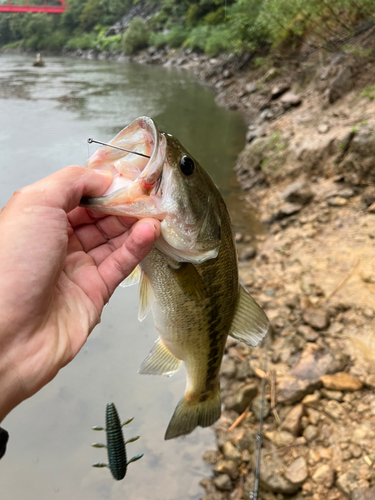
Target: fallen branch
[342, 282]
[239, 419]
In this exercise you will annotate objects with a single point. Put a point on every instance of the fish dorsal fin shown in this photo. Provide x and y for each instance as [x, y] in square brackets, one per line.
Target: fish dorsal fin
[146, 296]
[250, 323]
[133, 278]
[160, 361]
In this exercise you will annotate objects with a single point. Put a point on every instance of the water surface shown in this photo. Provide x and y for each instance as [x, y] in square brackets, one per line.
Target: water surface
[46, 116]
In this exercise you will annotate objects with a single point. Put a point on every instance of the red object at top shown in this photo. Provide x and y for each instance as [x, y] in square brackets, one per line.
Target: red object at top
[35, 8]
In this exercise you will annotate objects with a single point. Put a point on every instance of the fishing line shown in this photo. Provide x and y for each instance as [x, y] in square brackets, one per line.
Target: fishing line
[90, 140]
[254, 494]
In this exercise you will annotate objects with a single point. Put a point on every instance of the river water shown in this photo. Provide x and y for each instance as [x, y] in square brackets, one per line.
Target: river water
[46, 116]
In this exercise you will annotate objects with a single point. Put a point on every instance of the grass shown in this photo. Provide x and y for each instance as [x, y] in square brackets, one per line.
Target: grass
[369, 92]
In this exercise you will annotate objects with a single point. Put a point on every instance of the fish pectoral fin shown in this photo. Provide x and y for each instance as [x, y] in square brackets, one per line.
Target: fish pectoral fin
[190, 280]
[188, 415]
[133, 278]
[250, 323]
[160, 361]
[146, 296]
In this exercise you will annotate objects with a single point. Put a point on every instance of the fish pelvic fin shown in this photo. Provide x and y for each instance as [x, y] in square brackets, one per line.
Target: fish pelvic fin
[133, 278]
[250, 323]
[189, 415]
[146, 296]
[160, 361]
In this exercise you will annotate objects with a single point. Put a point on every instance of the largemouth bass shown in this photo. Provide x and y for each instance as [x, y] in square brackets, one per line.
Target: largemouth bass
[190, 278]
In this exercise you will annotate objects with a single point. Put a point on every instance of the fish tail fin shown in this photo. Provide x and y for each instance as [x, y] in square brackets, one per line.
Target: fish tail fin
[188, 415]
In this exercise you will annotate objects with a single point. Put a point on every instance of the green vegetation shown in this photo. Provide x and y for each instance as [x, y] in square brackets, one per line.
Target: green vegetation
[369, 92]
[210, 26]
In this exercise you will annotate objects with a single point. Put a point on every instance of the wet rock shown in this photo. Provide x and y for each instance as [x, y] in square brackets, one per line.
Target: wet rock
[292, 422]
[308, 333]
[248, 253]
[324, 475]
[291, 390]
[223, 482]
[291, 99]
[280, 438]
[310, 432]
[341, 382]
[297, 472]
[337, 201]
[297, 192]
[241, 400]
[230, 452]
[317, 318]
[340, 85]
[227, 467]
[211, 457]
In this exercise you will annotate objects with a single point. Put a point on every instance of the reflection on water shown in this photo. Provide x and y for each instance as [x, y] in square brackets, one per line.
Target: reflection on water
[46, 116]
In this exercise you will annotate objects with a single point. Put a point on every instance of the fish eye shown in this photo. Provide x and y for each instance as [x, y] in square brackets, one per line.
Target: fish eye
[187, 165]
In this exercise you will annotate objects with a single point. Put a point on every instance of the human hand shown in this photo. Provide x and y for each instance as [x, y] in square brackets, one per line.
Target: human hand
[59, 265]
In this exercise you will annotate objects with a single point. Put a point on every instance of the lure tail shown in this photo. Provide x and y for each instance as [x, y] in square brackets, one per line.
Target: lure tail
[188, 415]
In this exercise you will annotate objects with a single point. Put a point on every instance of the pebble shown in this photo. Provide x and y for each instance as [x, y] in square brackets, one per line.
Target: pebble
[297, 472]
[280, 438]
[248, 253]
[310, 432]
[223, 482]
[258, 407]
[227, 467]
[337, 201]
[292, 422]
[336, 395]
[291, 390]
[230, 452]
[323, 128]
[288, 209]
[308, 333]
[241, 400]
[356, 451]
[341, 382]
[297, 192]
[324, 475]
[311, 399]
[291, 99]
[211, 457]
[317, 318]
[334, 409]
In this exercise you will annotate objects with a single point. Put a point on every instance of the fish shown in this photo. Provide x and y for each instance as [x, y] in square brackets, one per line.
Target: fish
[190, 278]
[116, 446]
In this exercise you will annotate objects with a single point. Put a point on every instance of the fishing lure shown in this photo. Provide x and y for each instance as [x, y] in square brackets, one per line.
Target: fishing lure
[116, 446]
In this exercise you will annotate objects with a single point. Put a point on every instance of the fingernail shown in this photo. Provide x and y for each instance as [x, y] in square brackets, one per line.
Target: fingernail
[154, 227]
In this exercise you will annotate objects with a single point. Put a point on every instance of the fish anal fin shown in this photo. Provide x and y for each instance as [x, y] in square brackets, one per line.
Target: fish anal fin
[160, 361]
[133, 278]
[189, 415]
[146, 296]
[250, 323]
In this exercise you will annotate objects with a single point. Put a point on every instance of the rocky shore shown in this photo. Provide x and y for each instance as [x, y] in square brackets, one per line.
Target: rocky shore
[309, 169]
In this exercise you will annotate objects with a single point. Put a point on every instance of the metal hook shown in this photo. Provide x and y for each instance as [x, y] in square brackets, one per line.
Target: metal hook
[90, 140]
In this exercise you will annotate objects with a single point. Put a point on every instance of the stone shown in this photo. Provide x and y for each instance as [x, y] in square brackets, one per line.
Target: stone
[336, 395]
[314, 363]
[340, 84]
[317, 318]
[323, 128]
[228, 368]
[280, 438]
[297, 192]
[310, 432]
[368, 196]
[227, 467]
[292, 422]
[230, 452]
[324, 475]
[291, 99]
[297, 472]
[363, 494]
[341, 382]
[244, 370]
[223, 482]
[356, 451]
[334, 409]
[250, 88]
[278, 90]
[308, 333]
[248, 253]
[288, 209]
[346, 193]
[371, 209]
[291, 390]
[270, 477]
[241, 400]
[211, 457]
[337, 201]
[344, 483]
[311, 399]
[258, 407]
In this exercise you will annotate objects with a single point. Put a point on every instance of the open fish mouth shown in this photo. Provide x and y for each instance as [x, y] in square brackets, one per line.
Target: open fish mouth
[136, 173]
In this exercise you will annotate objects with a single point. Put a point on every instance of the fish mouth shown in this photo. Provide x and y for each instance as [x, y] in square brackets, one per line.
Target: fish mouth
[136, 178]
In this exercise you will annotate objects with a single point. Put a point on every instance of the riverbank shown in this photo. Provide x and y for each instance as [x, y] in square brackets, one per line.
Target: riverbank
[309, 169]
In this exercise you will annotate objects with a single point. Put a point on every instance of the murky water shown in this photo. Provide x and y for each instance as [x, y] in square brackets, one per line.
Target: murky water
[46, 116]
